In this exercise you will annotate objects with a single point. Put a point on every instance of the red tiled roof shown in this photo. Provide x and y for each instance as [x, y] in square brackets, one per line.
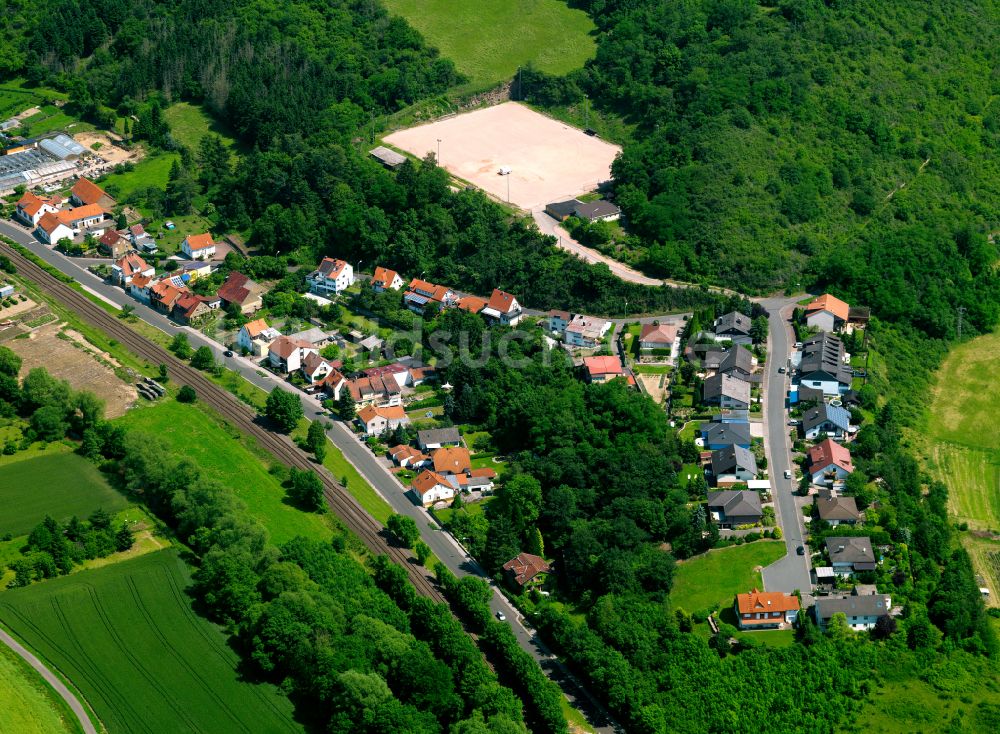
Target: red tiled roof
[30, 203]
[658, 334]
[525, 566]
[255, 327]
[283, 346]
[383, 277]
[829, 452]
[237, 288]
[452, 460]
[87, 191]
[427, 480]
[198, 242]
[834, 305]
[131, 263]
[766, 601]
[393, 412]
[330, 268]
[81, 212]
[472, 304]
[604, 365]
[501, 301]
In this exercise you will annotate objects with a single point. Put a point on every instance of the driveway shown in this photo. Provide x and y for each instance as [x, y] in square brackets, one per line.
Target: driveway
[443, 545]
[790, 572]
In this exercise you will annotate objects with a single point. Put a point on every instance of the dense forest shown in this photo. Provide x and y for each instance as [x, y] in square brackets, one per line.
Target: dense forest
[806, 142]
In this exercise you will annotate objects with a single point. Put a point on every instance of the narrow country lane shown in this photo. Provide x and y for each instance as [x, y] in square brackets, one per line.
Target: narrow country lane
[53, 680]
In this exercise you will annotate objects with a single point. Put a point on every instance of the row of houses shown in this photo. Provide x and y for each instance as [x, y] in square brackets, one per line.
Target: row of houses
[862, 609]
[446, 467]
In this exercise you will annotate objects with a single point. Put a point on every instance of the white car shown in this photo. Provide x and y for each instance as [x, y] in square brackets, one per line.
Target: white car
[788, 474]
[501, 616]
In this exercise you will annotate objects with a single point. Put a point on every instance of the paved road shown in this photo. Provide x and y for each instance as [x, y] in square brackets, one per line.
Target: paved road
[790, 572]
[375, 472]
[57, 685]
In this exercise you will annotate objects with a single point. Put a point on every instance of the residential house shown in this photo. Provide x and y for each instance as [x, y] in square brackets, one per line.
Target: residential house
[733, 464]
[562, 210]
[765, 609]
[737, 362]
[430, 487]
[452, 460]
[558, 321]
[717, 435]
[164, 294]
[729, 393]
[396, 371]
[314, 335]
[597, 211]
[731, 508]
[803, 394]
[850, 554]
[331, 277]
[114, 244]
[602, 369]
[503, 309]
[386, 280]
[129, 266]
[190, 308]
[862, 610]
[660, 337]
[334, 383]
[375, 390]
[377, 420]
[68, 223]
[586, 331]
[421, 292]
[141, 240]
[473, 480]
[246, 294]
[408, 457]
[827, 313]
[734, 327]
[139, 288]
[420, 375]
[255, 337]
[198, 246]
[286, 354]
[832, 420]
[85, 192]
[837, 510]
[472, 304]
[435, 438]
[315, 368]
[823, 365]
[526, 570]
[30, 208]
[191, 270]
[829, 462]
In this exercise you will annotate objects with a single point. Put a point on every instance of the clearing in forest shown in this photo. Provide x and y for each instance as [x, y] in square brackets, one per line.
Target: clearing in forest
[489, 39]
[548, 160]
[128, 639]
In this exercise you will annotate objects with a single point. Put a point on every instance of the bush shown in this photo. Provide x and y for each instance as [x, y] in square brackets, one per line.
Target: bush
[187, 394]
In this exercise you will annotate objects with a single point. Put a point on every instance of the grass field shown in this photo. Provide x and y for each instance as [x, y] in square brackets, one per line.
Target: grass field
[29, 706]
[128, 639]
[61, 485]
[489, 39]
[190, 123]
[149, 172]
[197, 435]
[717, 576]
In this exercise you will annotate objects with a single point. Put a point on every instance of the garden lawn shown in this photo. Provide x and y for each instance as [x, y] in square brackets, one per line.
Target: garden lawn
[60, 485]
[224, 455]
[714, 578]
[189, 123]
[489, 39]
[152, 171]
[29, 705]
[127, 638]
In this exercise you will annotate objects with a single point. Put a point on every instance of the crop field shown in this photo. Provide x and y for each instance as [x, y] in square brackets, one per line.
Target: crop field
[222, 456]
[127, 638]
[548, 160]
[714, 578]
[489, 39]
[70, 357]
[61, 485]
[29, 706]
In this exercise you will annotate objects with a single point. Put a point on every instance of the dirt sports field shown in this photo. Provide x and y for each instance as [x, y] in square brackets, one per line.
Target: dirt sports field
[549, 160]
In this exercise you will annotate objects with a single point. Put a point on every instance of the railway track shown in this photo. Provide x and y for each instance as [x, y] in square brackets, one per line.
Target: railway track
[340, 502]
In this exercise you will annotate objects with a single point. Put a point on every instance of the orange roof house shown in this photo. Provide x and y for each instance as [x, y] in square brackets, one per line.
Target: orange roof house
[386, 279]
[762, 609]
[452, 460]
[85, 192]
[472, 304]
[829, 455]
[526, 569]
[602, 369]
[827, 313]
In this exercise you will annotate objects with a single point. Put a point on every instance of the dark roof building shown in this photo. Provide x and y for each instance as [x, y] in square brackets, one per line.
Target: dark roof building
[437, 437]
[600, 210]
[562, 210]
[732, 507]
[823, 361]
[851, 553]
[737, 362]
[734, 460]
[525, 568]
[388, 158]
[733, 324]
[719, 435]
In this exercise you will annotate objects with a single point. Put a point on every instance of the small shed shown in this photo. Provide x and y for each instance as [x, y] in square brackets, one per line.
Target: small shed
[388, 158]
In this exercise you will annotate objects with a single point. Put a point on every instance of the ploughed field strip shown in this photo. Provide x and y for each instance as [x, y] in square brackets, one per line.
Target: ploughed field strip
[239, 414]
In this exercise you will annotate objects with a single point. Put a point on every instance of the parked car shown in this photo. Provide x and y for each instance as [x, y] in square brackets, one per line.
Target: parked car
[794, 422]
[798, 345]
[227, 353]
[788, 474]
[781, 370]
[501, 616]
[800, 550]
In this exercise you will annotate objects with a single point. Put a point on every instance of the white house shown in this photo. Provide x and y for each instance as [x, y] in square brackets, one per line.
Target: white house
[51, 228]
[765, 609]
[829, 462]
[30, 208]
[315, 368]
[286, 354]
[850, 554]
[558, 321]
[430, 487]
[331, 277]
[832, 420]
[660, 337]
[586, 331]
[128, 267]
[386, 280]
[198, 246]
[729, 393]
[861, 610]
[376, 421]
[827, 313]
[255, 337]
[503, 309]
